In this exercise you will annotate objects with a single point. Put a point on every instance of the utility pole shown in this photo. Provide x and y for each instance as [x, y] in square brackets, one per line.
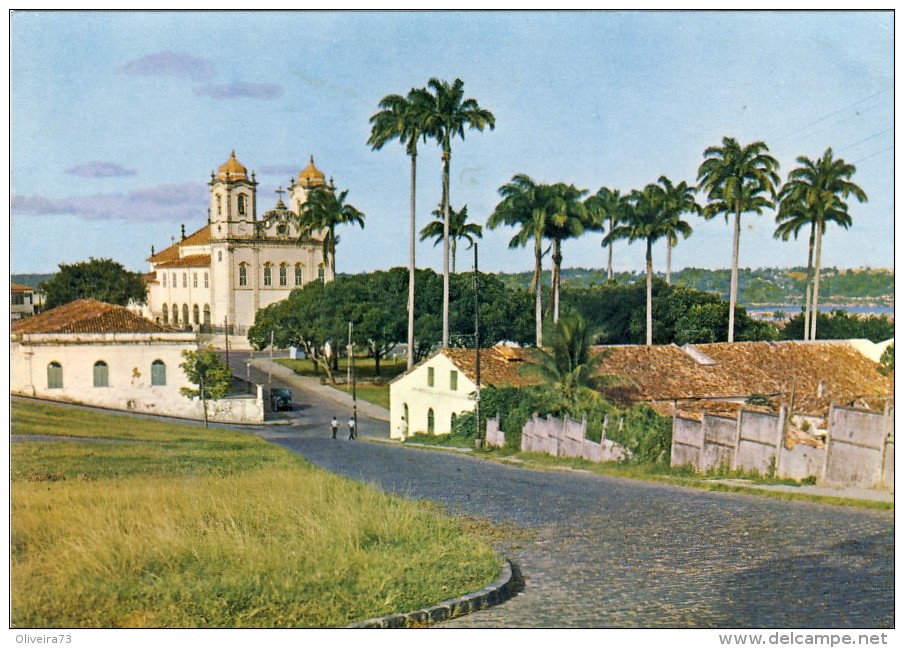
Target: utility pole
[226, 330]
[351, 364]
[477, 341]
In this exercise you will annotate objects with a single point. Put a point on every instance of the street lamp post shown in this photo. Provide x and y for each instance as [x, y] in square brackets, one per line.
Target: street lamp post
[477, 342]
[351, 369]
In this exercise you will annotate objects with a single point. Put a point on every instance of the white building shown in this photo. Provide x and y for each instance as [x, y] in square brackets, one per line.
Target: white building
[239, 262]
[99, 354]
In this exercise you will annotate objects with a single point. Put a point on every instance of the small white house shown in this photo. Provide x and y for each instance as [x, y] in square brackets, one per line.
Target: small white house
[100, 354]
[427, 398]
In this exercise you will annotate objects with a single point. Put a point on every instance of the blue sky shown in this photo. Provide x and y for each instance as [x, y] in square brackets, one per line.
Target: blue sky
[119, 118]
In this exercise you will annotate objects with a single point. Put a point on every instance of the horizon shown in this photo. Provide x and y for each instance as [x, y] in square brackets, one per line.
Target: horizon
[114, 142]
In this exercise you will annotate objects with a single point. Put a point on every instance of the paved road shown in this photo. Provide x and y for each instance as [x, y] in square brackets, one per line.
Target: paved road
[605, 552]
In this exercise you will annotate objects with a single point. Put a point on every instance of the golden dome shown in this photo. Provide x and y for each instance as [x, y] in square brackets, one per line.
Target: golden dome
[234, 168]
[311, 176]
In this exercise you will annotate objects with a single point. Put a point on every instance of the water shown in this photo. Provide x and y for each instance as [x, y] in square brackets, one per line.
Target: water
[790, 311]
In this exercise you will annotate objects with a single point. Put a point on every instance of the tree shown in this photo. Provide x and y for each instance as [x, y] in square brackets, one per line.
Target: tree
[887, 360]
[567, 219]
[646, 220]
[737, 180]
[814, 194]
[525, 204]
[324, 210]
[677, 200]
[403, 118]
[459, 229]
[101, 279]
[448, 115]
[606, 207]
[206, 369]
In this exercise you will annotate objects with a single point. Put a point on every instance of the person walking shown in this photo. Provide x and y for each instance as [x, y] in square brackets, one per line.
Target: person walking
[334, 426]
[351, 428]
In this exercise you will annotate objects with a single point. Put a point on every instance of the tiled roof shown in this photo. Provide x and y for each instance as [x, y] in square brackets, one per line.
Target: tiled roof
[191, 261]
[87, 316]
[499, 366]
[14, 287]
[200, 237]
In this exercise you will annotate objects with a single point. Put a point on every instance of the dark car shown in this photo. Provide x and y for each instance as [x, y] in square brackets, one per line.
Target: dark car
[280, 399]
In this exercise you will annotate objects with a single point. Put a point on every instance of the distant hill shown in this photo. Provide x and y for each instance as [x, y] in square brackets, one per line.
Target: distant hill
[759, 287]
[30, 280]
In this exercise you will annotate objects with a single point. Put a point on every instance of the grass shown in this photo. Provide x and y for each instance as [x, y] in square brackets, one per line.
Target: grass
[661, 473]
[171, 525]
[365, 368]
[376, 394]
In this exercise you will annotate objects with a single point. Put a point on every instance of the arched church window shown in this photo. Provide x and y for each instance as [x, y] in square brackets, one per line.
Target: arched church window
[243, 274]
[206, 314]
[241, 204]
[283, 275]
[196, 314]
[297, 274]
[175, 314]
[185, 315]
[268, 274]
[165, 314]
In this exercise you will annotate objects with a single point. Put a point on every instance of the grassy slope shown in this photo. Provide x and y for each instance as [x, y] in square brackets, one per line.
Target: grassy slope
[177, 526]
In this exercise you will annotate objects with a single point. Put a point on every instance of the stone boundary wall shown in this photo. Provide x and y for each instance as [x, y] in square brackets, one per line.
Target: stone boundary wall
[567, 438]
[859, 450]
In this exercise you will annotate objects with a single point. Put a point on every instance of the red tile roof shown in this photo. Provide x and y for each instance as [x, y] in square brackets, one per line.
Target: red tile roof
[499, 366]
[191, 261]
[14, 287]
[200, 237]
[87, 316]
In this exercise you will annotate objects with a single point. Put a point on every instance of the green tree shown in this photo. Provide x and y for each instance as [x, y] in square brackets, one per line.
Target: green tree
[459, 229]
[887, 360]
[841, 325]
[815, 193]
[738, 179]
[677, 201]
[101, 279]
[567, 219]
[324, 211]
[526, 205]
[211, 375]
[403, 118]
[447, 116]
[606, 208]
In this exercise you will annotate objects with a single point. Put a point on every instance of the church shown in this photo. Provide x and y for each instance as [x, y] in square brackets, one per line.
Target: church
[218, 277]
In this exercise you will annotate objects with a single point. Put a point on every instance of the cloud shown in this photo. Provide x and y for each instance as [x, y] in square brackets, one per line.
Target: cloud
[278, 170]
[241, 90]
[167, 63]
[186, 202]
[99, 170]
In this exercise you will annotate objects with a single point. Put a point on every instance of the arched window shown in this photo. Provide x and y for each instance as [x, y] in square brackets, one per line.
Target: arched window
[297, 274]
[206, 314]
[175, 314]
[268, 274]
[405, 420]
[430, 421]
[54, 376]
[452, 422]
[196, 314]
[241, 204]
[243, 274]
[165, 314]
[158, 372]
[283, 275]
[185, 320]
[101, 374]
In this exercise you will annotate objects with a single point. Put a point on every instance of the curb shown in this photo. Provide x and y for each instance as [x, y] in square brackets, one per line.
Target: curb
[509, 583]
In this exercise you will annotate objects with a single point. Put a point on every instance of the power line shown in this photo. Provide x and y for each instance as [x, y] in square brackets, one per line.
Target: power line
[889, 148]
[837, 112]
[866, 139]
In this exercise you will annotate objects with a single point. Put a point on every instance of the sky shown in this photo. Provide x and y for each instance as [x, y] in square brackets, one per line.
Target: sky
[118, 119]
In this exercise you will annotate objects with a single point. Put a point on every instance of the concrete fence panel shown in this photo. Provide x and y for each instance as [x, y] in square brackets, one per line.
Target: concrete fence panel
[719, 439]
[759, 436]
[855, 448]
[687, 442]
[801, 462]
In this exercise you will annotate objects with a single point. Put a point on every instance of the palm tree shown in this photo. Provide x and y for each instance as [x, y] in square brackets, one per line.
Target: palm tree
[606, 205]
[524, 205]
[324, 211]
[402, 117]
[459, 229]
[791, 221]
[815, 191]
[447, 116]
[646, 220]
[568, 219]
[738, 180]
[679, 199]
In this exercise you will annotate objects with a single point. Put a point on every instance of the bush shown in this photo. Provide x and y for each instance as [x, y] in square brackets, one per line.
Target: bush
[646, 434]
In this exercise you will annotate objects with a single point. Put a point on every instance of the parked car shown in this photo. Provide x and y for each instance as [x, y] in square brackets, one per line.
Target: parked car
[280, 398]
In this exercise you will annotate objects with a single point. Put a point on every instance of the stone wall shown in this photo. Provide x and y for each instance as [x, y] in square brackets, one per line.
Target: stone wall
[567, 438]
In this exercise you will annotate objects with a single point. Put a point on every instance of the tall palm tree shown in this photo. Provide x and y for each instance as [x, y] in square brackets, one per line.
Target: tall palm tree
[816, 191]
[447, 116]
[459, 229]
[646, 220]
[678, 200]
[324, 211]
[791, 221]
[606, 205]
[524, 205]
[402, 117]
[568, 218]
[738, 179]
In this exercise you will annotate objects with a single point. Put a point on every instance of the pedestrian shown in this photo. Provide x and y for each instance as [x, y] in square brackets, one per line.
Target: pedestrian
[351, 428]
[334, 426]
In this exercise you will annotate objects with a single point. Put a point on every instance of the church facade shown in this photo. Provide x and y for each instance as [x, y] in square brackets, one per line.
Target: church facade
[219, 276]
